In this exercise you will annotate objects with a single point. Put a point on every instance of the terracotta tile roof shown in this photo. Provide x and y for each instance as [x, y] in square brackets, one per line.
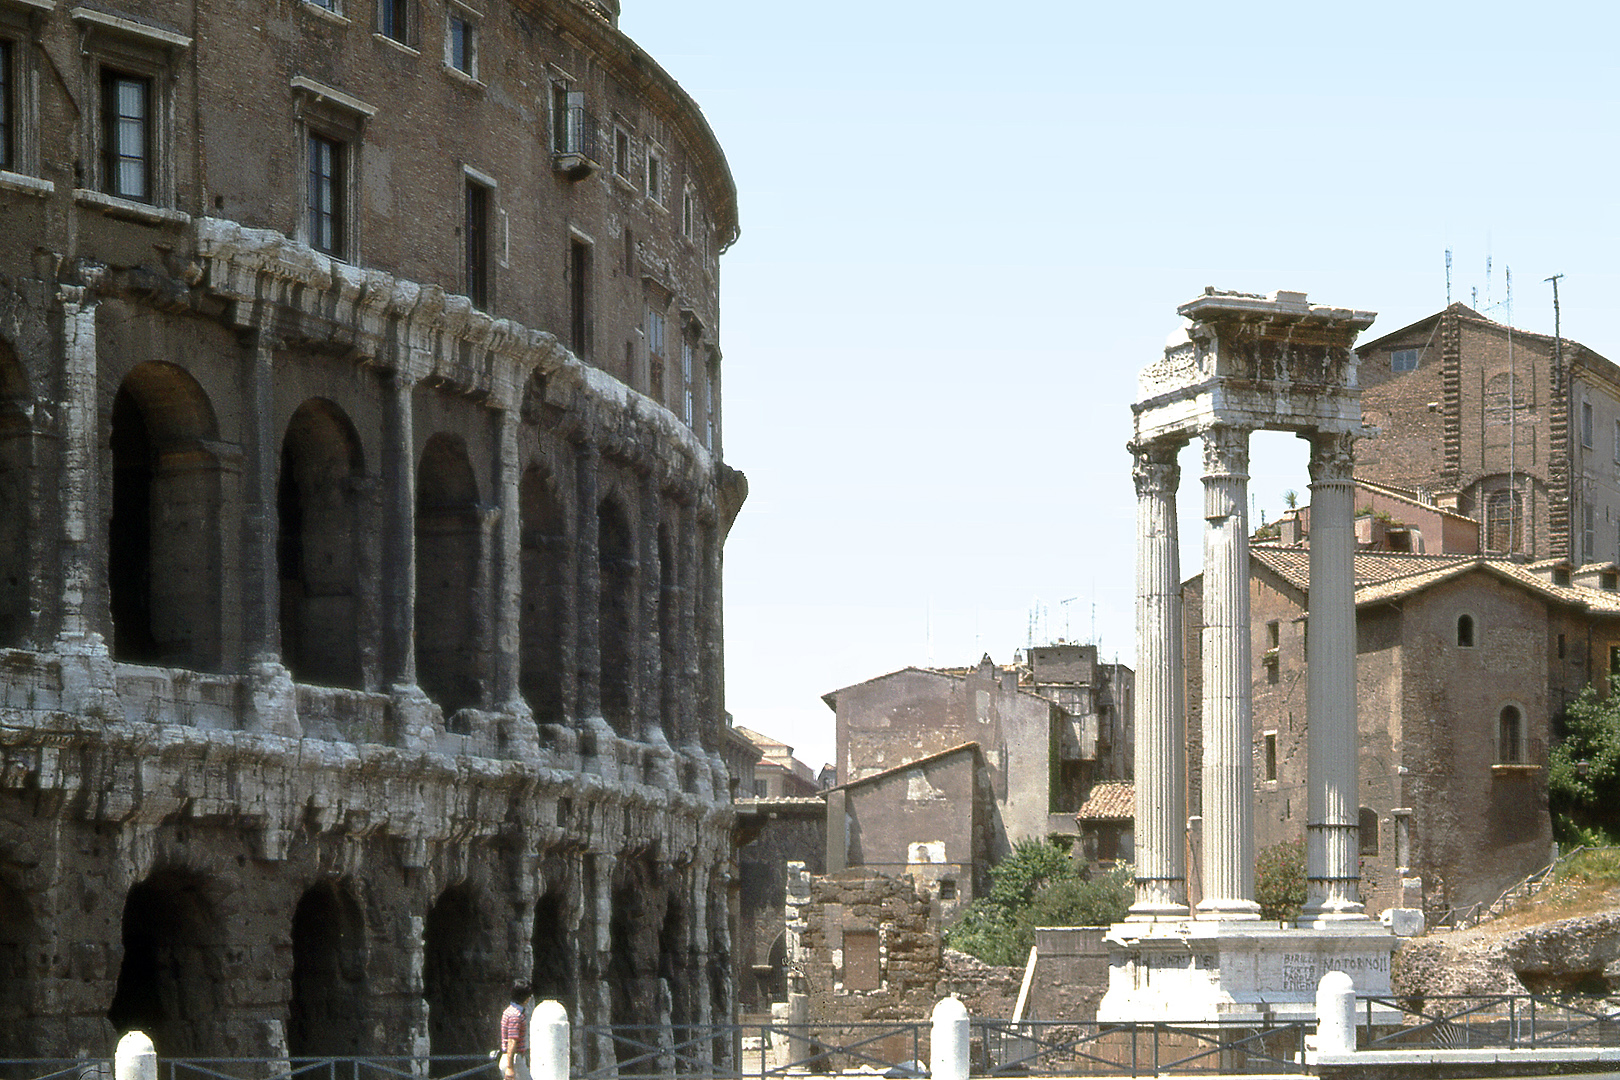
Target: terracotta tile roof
[1293, 564]
[1112, 801]
[1406, 495]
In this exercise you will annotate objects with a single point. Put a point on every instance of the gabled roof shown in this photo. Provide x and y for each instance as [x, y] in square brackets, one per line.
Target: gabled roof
[1574, 350]
[761, 741]
[1407, 496]
[831, 696]
[1112, 801]
[929, 759]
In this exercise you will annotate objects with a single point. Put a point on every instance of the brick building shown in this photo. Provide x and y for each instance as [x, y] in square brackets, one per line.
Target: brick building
[360, 438]
[1461, 663]
[1518, 431]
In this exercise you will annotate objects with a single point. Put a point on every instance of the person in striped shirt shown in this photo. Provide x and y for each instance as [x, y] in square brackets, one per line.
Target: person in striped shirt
[515, 1035]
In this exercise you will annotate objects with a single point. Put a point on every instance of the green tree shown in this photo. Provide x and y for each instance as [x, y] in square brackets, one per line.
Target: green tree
[1279, 880]
[1036, 885]
[1583, 771]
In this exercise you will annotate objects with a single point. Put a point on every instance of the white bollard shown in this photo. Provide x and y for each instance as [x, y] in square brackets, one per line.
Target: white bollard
[548, 1042]
[1336, 1014]
[948, 1043]
[135, 1058]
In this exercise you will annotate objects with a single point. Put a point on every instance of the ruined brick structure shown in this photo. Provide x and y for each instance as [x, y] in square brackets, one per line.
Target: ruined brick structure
[360, 622]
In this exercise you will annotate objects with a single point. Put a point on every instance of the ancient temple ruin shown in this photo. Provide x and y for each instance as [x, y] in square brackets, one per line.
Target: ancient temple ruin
[1243, 363]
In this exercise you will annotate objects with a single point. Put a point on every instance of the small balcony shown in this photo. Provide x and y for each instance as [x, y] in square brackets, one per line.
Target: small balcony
[577, 144]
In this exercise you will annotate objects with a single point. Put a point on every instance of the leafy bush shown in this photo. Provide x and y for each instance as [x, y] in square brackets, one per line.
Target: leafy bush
[1036, 885]
[1279, 881]
[1585, 803]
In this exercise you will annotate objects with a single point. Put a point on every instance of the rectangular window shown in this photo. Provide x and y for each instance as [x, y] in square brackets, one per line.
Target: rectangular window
[393, 21]
[687, 414]
[1614, 661]
[579, 297]
[329, 5]
[1586, 424]
[559, 118]
[326, 189]
[126, 108]
[621, 153]
[655, 176]
[688, 214]
[1588, 537]
[1273, 634]
[461, 41]
[863, 968]
[655, 352]
[1271, 757]
[478, 244]
[1561, 646]
[1403, 360]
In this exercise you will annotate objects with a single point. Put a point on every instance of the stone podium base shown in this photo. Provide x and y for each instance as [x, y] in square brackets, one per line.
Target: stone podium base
[1195, 970]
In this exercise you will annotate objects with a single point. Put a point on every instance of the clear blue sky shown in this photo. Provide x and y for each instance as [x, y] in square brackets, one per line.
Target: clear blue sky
[965, 227]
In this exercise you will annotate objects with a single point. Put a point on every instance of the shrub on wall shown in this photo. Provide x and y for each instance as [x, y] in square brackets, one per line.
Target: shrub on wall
[1279, 881]
[1037, 885]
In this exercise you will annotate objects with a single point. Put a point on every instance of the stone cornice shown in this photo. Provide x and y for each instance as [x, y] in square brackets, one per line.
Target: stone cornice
[293, 292]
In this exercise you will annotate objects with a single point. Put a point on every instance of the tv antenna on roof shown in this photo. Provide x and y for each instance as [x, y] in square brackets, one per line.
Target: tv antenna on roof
[1448, 277]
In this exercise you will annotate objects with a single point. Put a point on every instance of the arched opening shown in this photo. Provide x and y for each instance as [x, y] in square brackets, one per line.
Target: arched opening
[1369, 831]
[318, 546]
[1510, 736]
[448, 543]
[1465, 631]
[616, 625]
[553, 944]
[633, 966]
[163, 555]
[542, 630]
[170, 984]
[327, 1015]
[674, 966]
[18, 933]
[669, 630]
[463, 979]
[16, 454]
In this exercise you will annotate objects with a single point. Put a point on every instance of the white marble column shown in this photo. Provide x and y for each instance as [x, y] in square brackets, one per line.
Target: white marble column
[1228, 780]
[1332, 850]
[1161, 718]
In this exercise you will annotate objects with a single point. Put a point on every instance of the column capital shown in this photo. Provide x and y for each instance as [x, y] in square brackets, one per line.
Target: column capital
[1226, 451]
[1155, 468]
[1333, 457]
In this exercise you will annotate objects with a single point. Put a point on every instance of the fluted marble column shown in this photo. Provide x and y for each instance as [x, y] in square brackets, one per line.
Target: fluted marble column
[1332, 849]
[1228, 781]
[1161, 718]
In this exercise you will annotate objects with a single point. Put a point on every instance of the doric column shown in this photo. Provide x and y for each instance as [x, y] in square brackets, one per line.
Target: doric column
[261, 587]
[508, 572]
[1161, 718]
[79, 473]
[588, 593]
[399, 541]
[1332, 850]
[1228, 779]
[647, 691]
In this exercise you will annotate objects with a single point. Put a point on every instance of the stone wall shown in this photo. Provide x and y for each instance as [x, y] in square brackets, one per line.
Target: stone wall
[361, 643]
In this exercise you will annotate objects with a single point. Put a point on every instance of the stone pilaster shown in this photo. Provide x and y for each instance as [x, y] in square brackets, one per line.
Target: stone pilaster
[508, 565]
[1228, 774]
[588, 561]
[272, 695]
[687, 649]
[399, 542]
[1333, 873]
[647, 693]
[1161, 870]
[79, 497]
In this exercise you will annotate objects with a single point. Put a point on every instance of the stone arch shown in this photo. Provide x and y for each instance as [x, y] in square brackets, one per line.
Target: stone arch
[327, 1014]
[449, 532]
[163, 560]
[542, 630]
[19, 933]
[16, 470]
[674, 962]
[170, 982]
[669, 634]
[463, 977]
[633, 963]
[1510, 735]
[318, 545]
[553, 946]
[616, 555]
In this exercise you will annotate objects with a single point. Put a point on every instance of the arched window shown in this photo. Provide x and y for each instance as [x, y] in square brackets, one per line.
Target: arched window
[16, 453]
[1510, 736]
[449, 661]
[1369, 831]
[616, 554]
[1465, 631]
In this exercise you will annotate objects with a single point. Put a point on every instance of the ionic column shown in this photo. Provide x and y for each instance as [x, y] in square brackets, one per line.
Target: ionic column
[508, 573]
[1228, 781]
[1161, 718]
[1332, 850]
[399, 540]
[588, 591]
[78, 470]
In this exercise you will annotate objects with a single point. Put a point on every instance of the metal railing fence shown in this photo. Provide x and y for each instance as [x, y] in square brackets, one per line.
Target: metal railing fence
[1487, 1021]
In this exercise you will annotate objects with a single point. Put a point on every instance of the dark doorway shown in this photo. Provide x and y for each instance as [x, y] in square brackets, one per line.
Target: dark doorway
[463, 980]
[317, 550]
[634, 936]
[16, 470]
[553, 943]
[169, 983]
[19, 1036]
[327, 1015]
[449, 663]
